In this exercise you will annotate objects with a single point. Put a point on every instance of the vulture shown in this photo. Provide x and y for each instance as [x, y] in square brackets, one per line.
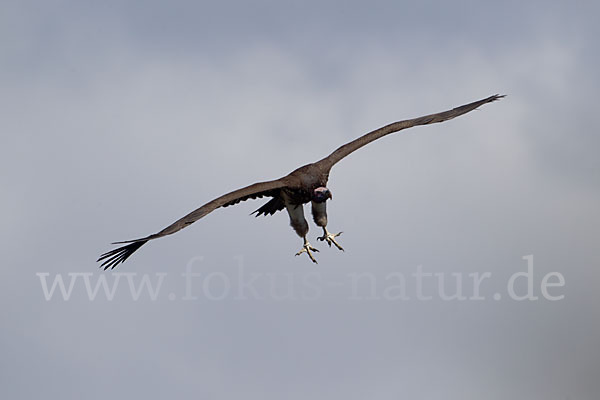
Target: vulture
[305, 184]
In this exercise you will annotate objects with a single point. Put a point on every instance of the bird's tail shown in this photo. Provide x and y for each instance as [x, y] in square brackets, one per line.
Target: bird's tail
[271, 207]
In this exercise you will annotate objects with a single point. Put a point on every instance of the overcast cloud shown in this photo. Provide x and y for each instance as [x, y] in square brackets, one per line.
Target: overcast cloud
[120, 117]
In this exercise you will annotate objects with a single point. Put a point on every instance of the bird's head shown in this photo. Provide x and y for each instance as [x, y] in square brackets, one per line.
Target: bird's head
[321, 195]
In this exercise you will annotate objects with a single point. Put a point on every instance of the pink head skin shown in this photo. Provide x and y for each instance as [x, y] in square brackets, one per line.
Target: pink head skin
[321, 195]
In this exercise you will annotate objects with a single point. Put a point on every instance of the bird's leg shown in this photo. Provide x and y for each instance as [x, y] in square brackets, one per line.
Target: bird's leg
[307, 248]
[330, 238]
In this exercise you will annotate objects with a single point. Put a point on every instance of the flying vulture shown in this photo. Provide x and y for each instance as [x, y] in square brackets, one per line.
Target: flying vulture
[305, 184]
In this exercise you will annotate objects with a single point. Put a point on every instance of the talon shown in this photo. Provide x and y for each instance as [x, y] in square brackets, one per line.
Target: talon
[308, 249]
[330, 238]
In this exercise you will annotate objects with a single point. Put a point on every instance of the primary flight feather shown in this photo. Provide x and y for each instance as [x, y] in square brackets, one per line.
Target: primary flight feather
[305, 184]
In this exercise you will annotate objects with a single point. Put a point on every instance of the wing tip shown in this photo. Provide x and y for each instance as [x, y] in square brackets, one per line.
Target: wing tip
[496, 97]
[117, 256]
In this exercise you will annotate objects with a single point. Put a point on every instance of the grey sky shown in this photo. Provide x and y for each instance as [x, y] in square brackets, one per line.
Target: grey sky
[120, 117]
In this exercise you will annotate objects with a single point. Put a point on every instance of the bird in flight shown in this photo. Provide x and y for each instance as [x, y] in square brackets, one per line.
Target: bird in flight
[305, 184]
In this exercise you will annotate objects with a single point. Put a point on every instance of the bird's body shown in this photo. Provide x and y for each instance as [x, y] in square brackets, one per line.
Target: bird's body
[303, 185]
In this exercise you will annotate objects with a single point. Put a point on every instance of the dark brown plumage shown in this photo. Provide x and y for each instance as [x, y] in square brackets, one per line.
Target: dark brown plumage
[305, 184]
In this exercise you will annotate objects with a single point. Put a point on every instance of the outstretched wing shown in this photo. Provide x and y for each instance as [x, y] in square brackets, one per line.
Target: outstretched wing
[114, 257]
[329, 161]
